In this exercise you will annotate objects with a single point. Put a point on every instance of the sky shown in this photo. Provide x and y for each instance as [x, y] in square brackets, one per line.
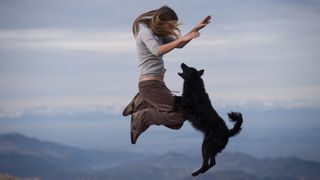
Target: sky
[68, 68]
[80, 55]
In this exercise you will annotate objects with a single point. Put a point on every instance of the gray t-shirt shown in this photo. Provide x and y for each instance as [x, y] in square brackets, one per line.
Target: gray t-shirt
[150, 62]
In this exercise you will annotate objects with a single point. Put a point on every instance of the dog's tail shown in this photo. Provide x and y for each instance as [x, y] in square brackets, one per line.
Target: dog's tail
[237, 118]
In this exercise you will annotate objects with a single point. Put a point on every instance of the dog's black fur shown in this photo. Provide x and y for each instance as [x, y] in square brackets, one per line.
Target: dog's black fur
[203, 117]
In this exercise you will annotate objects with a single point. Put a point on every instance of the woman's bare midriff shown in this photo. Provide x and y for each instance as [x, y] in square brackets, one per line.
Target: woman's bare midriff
[154, 77]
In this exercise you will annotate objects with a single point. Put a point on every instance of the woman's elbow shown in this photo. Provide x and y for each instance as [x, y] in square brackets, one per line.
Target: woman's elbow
[155, 51]
[160, 51]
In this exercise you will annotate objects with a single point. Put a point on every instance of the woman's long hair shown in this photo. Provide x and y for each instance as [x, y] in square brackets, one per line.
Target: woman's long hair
[163, 22]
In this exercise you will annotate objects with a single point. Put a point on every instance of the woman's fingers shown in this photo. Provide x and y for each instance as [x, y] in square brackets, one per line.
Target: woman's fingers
[202, 23]
[206, 20]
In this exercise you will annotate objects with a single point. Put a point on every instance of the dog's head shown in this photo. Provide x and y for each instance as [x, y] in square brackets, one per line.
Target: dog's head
[190, 72]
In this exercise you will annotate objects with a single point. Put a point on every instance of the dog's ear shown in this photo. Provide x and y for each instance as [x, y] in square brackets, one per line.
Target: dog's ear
[201, 72]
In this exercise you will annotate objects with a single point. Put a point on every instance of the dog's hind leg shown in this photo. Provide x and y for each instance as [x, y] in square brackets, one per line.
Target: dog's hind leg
[211, 150]
[211, 164]
[205, 158]
[212, 159]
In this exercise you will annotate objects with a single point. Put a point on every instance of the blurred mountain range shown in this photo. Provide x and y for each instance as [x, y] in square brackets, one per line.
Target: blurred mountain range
[23, 156]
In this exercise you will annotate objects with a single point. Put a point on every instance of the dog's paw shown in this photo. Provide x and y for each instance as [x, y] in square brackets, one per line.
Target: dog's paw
[195, 173]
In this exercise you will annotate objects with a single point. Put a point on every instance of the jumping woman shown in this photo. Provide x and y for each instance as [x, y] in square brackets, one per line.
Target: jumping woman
[156, 33]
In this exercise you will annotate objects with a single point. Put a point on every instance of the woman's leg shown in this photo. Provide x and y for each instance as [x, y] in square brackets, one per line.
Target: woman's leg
[162, 105]
[136, 104]
[161, 109]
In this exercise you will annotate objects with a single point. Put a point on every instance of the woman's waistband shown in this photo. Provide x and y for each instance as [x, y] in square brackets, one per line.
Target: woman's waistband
[158, 77]
[151, 83]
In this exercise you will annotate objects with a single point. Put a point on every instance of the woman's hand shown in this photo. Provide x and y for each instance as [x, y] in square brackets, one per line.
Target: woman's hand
[202, 23]
[194, 33]
[187, 38]
[191, 35]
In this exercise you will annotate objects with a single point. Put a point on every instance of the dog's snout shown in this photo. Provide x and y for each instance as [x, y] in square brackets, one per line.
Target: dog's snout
[184, 66]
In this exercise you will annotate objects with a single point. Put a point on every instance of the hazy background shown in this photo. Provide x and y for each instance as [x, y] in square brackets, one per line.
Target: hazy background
[69, 67]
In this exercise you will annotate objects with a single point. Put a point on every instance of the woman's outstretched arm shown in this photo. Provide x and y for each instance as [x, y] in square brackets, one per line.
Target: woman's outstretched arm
[165, 48]
[199, 26]
[181, 42]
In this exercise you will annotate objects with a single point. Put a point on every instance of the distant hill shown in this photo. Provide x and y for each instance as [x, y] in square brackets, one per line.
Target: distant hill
[26, 157]
[22, 156]
[231, 166]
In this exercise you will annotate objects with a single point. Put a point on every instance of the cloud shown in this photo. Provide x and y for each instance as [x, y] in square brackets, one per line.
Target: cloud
[288, 97]
[115, 42]
[108, 42]
[262, 63]
[54, 108]
[285, 97]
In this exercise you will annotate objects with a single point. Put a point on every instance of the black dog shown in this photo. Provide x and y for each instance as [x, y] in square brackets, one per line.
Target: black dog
[204, 118]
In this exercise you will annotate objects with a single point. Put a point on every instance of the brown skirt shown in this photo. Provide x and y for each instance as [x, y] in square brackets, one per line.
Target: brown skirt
[157, 106]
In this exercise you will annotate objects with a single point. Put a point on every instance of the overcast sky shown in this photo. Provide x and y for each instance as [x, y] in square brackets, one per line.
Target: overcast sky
[74, 54]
